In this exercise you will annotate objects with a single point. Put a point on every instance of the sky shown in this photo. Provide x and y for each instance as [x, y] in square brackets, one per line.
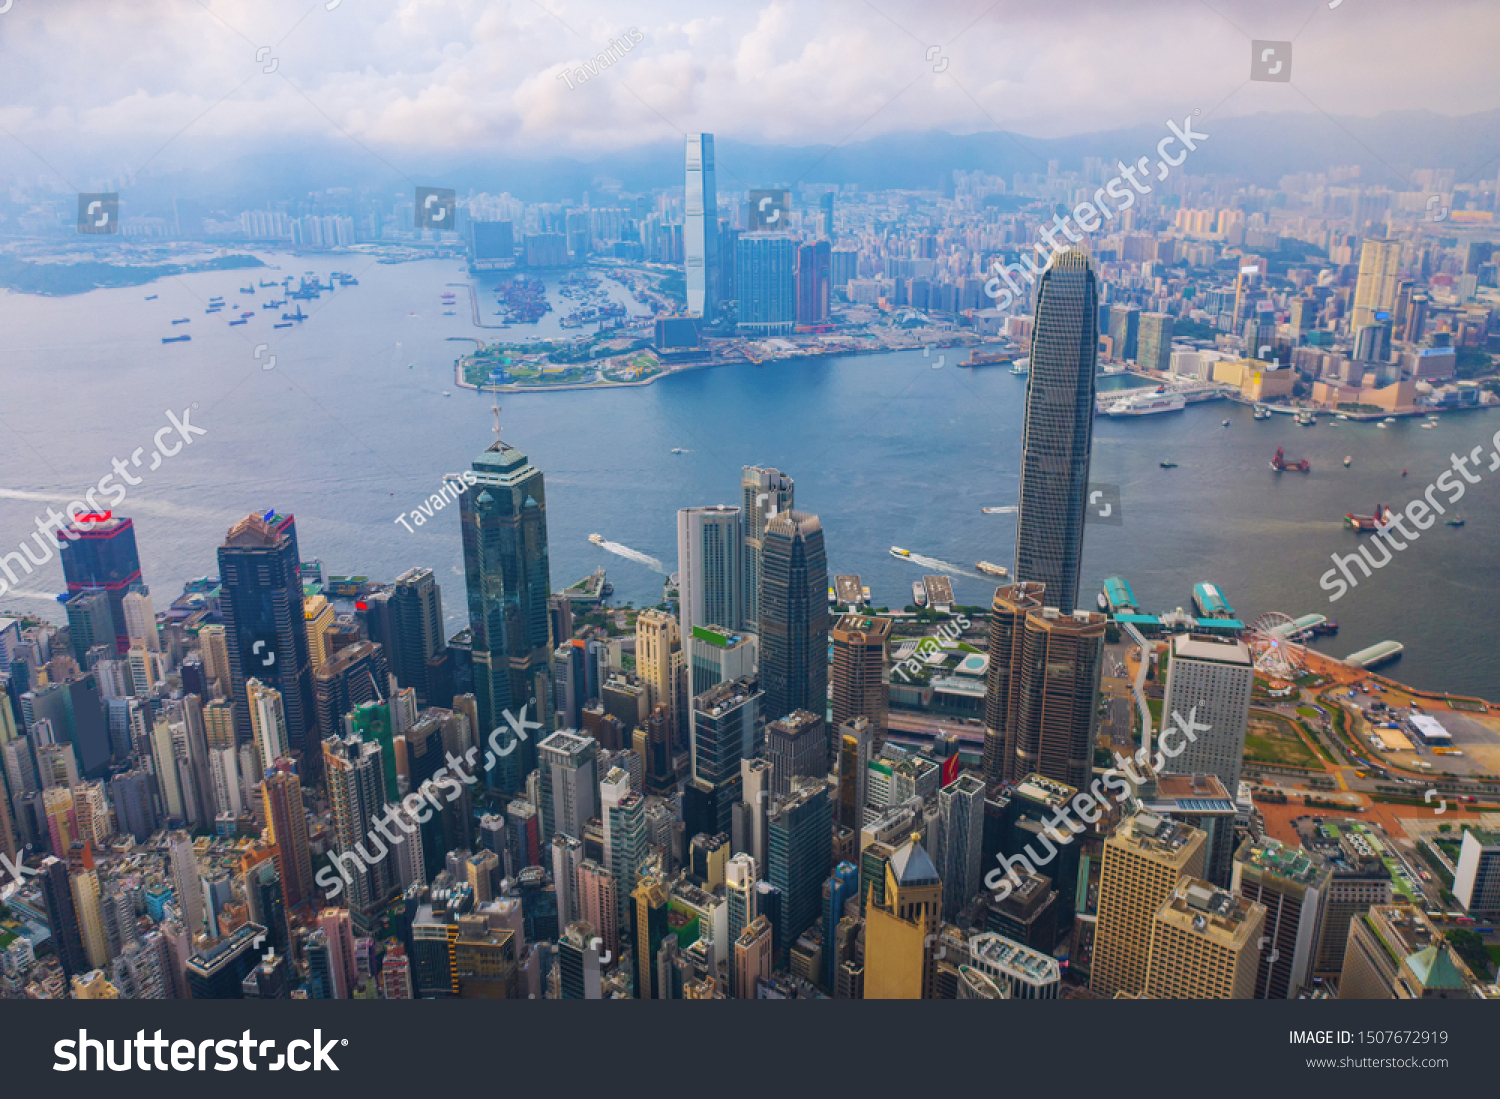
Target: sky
[94, 89]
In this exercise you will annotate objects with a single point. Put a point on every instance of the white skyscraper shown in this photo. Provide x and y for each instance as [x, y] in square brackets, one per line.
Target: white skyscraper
[267, 721]
[700, 235]
[140, 619]
[1209, 679]
[710, 568]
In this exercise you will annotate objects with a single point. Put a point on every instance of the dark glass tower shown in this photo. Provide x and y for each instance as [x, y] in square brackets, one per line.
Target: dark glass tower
[504, 517]
[1059, 429]
[62, 917]
[794, 616]
[103, 557]
[264, 627]
[408, 620]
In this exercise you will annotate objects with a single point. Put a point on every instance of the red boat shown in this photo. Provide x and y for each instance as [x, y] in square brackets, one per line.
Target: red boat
[1280, 464]
[1369, 522]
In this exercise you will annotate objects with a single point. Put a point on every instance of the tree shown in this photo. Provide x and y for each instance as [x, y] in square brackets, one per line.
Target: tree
[1469, 945]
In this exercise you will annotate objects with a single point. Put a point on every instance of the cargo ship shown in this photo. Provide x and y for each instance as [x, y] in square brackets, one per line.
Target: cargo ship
[184, 320]
[175, 339]
[1148, 404]
[1369, 522]
[979, 357]
[1281, 464]
[991, 569]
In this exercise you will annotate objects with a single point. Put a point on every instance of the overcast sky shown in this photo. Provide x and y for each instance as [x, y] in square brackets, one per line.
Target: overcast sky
[94, 87]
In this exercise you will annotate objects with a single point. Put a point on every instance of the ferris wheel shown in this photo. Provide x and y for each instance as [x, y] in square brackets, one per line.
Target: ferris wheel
[1273, 643]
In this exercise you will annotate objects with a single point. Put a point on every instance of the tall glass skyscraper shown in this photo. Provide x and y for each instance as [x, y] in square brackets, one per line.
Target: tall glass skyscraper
[1058, 432]
[265, 630]
[504, 518]
[700, 237]
[794, 616]
[764, 492]
[710, 568]
[102, 556]
[765, 267]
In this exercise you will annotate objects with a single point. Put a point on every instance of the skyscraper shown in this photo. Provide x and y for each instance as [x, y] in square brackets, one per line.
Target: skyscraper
[1292, 884]
[90, 623]
[569, 783]
[287, 820]
[265, 627]
[825, 214]
[813, 282]
[860, 685]
[410, 627]
[1211, 679]
[728, 727]
[1154, 345]
[900, 922]
[504, 516]
[796, 749]
[710, 567]
[794, 615]
[102, 555]
[187, 885]
[649, 928]
[356, 674]
[659, 659]
[765, 283]
[625, 838]
[267, 721]
[856, 747]
[843, 887]
[1042, 689]
[1379, 277]
[754, 949]
[1058, 431]
[764, 492]
[960, 840]
[700, 234]
[800, 843]
[1205, 945]
[356, 785]
[140, 617]
[1124, 331]
[62, 917]
[1143, 862]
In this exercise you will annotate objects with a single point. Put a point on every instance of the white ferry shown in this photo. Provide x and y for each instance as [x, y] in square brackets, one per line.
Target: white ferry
[597, 539]
[1148, 404]
[992, 570]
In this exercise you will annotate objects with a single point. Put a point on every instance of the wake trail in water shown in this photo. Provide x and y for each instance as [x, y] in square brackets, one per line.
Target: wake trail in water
[945, 566]
[635, 555]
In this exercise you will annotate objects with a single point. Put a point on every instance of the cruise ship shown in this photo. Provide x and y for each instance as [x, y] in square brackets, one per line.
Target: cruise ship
[1148, 404]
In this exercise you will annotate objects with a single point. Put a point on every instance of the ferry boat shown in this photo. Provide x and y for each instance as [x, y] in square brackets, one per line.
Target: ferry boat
[1369, 522]
[1103, 602]
[1148, 404]
[1456, 521]
[897, 551]
[990, 569]
[1307, 417]
[597, 539]
[998, 511]
[175, 339]
[1167, 465]
[919, 593]
[678, 450]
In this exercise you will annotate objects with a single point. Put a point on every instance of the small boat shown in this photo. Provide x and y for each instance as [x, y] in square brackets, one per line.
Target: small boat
[998, 511]
[184, 320]
[1103, 602]
[1428, 426]
[597, 539]
[1262, 412]
[1226, 423]
[288, 324]
[1456, 521]
[1167, 465]
[233, 323]
[864, 593]
[1382, 426]
[175, 339]
[446, 393]
[1403, 473]
[992, 570]
[1389, 420]
[897, 551]
[1348, 461]
[1343, 415]
[1307, 418]
[150, 297]
[678, 450]
[247, 316]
